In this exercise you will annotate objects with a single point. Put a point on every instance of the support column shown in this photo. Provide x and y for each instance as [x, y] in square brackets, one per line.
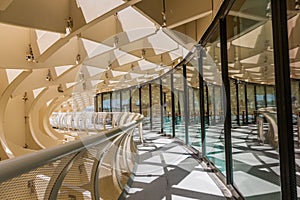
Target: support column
[283, 100]
[140, 99]
[246, 102]
[161, 106]
[150, 105]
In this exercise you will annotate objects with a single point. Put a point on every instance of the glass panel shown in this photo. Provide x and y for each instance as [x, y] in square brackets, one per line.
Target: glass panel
[167, 105]
[156, 122]
[260, 96]
[214, 144]
[125, 100]
[242, 104]
[106, 102]
[293, 17]
[146, 107]
[135, 101]
[255, 152]
[250, 103]
[233, 100]
[271, 100]
[179, 106]
[115, 101]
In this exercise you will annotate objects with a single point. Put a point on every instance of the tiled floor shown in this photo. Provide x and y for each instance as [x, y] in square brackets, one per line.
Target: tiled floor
[166, 169]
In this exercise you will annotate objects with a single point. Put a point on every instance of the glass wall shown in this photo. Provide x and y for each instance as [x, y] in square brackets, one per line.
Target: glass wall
[250, 55]
[253, 144]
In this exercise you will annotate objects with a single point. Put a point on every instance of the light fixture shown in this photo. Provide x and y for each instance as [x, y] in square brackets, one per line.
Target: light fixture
[164, 17]
[116, 41]
[60, 88]
[78, 59]
[25, 97]
[81, 75]
[143, 53]
[69, 25]
[49, 76]
[29, 55]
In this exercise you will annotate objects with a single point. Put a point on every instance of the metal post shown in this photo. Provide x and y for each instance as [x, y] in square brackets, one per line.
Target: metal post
[173, 105]
[96, 103]
[110, 102]
[226, 101]
[214, 105]
[101, 102]
[246, 102]
[161, 106]
[194, 111]
[207, 103]
[150, 105]
[186, 104]
[140, 99]
[121, 103]
[283, 100]
[237, 102]
[265, 96]
[130, 100]
[200, 53]
[255, 104]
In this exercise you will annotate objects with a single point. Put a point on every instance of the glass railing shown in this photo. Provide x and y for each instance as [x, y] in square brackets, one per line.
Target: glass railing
[87, 168]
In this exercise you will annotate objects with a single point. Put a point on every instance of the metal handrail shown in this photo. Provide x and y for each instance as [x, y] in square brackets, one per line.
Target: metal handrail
[17, 166]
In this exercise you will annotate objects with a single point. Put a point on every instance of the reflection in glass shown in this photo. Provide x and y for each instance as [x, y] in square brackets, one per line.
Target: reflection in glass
[106, 102]
[146, 106]
[115, 102]
[214, 144]
[179, 104]
[156, 114]
[125, 100]
[251, 62]
[135, 100]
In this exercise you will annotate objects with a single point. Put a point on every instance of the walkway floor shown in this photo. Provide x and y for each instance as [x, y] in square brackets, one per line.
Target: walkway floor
[166, 169]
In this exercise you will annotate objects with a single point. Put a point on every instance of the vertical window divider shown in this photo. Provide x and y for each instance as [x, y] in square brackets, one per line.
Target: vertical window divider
[150, 104]
[226, 101]
[173, 104]
[200, 52]
[161, 106]
[283, 99]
